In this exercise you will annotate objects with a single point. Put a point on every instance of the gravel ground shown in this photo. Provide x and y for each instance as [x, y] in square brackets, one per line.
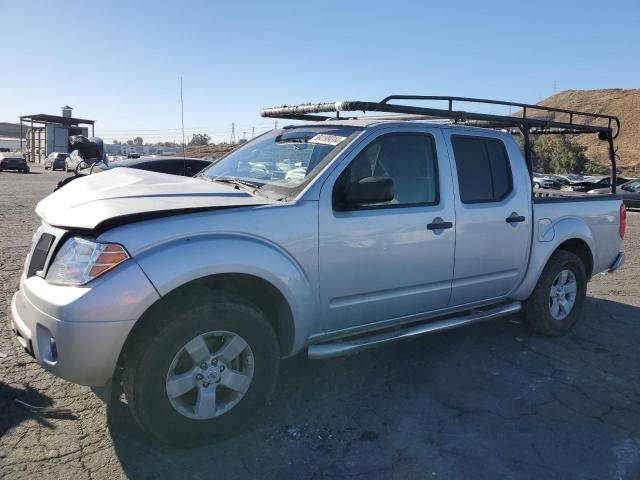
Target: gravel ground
[489, 401]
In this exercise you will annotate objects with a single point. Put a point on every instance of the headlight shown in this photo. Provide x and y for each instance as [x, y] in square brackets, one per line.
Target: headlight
[80, 261]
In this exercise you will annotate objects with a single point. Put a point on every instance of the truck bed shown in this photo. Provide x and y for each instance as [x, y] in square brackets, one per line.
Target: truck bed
[558, 196]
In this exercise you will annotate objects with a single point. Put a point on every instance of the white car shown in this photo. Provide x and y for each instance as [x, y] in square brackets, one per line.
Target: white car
[542, 181]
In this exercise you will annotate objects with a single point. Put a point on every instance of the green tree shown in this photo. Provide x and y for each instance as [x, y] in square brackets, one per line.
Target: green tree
[597, 169]
[138, 141]
[559, 154]
[200, 139]
[556, 154]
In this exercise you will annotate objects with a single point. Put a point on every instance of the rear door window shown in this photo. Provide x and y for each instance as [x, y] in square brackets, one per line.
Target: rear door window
[484, 172]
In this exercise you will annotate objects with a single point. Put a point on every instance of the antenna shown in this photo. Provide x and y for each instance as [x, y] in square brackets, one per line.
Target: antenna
[184, 155]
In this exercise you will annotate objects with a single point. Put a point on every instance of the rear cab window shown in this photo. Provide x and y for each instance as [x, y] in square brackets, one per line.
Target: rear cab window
[484, 171]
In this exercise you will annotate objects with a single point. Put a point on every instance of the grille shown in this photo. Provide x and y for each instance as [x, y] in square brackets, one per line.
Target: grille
[39, 255]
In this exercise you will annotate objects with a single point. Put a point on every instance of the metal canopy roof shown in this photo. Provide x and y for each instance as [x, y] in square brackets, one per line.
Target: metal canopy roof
[45, 118]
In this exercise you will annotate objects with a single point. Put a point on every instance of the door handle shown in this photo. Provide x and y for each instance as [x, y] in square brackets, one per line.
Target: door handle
[515, 218]
[439, 225]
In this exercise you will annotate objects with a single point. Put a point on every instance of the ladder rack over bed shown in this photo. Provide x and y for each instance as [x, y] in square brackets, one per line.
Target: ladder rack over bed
[530, 120]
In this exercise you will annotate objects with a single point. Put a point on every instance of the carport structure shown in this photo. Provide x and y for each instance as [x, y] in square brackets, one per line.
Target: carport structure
[45, 133]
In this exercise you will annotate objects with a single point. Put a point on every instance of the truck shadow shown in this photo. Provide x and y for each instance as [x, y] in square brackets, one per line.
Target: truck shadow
[489, 398]
[14, 408]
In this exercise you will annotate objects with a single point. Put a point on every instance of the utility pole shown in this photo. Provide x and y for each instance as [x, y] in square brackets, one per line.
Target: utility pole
[233, 133]
[244, 135]
[253, 132]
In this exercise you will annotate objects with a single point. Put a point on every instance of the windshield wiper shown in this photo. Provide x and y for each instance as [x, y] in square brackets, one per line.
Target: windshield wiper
[252, 188]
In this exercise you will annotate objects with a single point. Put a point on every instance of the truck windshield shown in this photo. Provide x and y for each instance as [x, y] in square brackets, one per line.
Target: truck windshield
[283, 159]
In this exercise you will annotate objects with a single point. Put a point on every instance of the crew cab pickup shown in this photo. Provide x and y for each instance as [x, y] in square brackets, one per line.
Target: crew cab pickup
[185, 293]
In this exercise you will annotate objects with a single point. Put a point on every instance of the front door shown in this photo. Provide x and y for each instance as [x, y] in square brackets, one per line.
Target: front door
[395, 259]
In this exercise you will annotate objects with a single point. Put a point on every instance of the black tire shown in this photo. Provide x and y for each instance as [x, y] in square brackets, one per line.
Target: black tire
[146, 372]
[536, 309]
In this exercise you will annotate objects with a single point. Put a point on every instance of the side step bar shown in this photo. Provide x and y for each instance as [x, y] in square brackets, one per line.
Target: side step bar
[356, 344]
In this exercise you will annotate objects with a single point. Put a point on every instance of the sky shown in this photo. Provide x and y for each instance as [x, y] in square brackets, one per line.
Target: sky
[120, 62]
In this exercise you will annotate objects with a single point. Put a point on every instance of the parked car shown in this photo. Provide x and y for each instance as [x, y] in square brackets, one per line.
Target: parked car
[13, 161]
[187, 167]
[542, 181]
[187, 292]
[56, 161]
[572, 177]
[629, 192]
[595, 182]
[73, 161]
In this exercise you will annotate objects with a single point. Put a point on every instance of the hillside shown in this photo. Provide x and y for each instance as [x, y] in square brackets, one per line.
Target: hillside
[625, 104]
[213, 150]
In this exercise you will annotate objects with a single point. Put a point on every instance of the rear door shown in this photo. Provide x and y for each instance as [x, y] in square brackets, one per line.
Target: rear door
[383, 262]
[493, 216]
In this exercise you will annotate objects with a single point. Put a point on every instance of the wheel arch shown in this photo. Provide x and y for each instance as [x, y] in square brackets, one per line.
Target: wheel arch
[577, 243]
[244, 287]
[581, 249]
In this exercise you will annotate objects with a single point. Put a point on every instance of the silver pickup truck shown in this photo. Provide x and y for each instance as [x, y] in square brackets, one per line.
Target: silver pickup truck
[324, 237]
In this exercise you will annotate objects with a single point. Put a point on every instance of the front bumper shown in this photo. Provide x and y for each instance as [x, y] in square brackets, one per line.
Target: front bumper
[77, 333]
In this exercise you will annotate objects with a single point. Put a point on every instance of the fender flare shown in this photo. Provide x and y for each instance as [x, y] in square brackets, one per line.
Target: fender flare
[182, 260]
[547, 242]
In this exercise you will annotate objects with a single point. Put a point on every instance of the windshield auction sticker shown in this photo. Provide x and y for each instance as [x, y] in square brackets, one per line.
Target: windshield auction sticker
[323, 139]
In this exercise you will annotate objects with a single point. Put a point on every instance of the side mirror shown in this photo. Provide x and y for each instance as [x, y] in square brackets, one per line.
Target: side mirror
[369, 190]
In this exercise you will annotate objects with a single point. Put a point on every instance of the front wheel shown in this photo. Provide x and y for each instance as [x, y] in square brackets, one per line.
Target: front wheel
[555, 304]
[204, 374]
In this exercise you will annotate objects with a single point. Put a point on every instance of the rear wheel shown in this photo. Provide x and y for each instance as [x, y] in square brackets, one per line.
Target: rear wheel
[204, 374]
[555, 304]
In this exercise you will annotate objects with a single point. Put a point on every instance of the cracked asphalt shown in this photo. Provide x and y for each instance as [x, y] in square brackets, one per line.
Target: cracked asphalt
[488, 401]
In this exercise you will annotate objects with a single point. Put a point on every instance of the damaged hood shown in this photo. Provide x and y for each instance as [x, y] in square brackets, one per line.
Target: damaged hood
[87, 202]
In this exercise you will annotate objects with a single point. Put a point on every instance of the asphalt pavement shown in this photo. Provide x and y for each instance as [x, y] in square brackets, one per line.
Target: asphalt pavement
[485, 402]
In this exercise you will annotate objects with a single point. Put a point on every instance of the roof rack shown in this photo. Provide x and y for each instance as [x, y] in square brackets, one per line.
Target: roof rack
[308, 111]
[529, 120]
